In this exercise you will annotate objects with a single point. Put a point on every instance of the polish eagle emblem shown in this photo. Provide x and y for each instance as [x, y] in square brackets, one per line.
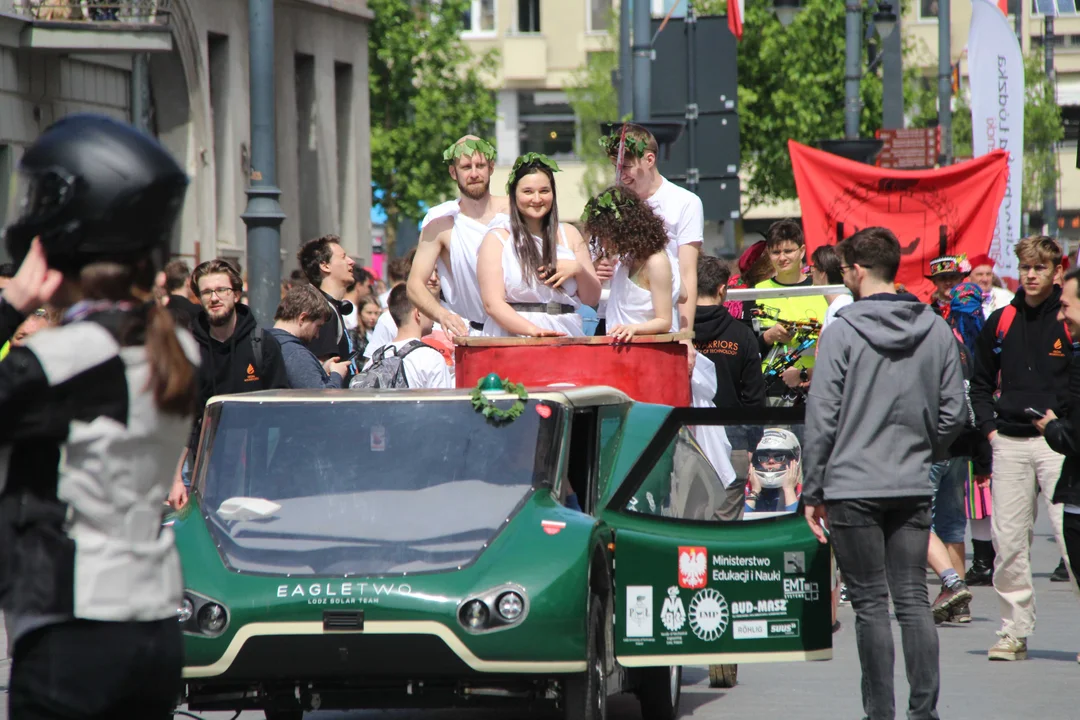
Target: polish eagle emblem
[692, 567]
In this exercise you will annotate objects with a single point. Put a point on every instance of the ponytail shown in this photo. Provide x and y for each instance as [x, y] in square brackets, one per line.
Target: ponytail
[172, 376]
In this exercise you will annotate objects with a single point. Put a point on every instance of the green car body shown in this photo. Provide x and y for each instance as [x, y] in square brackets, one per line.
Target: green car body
[281, 614]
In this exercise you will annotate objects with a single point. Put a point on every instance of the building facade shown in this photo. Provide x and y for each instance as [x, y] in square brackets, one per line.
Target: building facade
[180, 67]
[541, 44]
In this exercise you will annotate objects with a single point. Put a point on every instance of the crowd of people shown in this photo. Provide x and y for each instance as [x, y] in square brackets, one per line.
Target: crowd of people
[967, 407]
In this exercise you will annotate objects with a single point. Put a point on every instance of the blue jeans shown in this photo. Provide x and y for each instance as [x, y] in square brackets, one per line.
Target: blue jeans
[948, 479]
[881, 547]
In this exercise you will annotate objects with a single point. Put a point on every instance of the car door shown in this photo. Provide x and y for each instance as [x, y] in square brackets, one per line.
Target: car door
[692, 589]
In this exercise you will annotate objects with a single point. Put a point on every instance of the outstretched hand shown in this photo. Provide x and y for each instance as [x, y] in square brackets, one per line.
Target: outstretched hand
[35, 283]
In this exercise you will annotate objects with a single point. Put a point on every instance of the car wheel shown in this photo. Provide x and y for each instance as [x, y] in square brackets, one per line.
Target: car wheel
[723, 676]
[585, 694]
[284, 714]
[659, 691]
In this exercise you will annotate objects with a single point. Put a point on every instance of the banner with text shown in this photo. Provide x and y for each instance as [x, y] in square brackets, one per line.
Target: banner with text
[947, 211]
[996, 75]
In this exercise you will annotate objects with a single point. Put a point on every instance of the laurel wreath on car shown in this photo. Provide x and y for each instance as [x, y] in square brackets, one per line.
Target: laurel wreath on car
[469, 147]
[488, 407]
[531, 158]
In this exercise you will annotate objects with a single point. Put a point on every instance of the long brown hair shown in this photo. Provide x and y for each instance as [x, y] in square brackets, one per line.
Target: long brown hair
[530, 256]
[172, 376]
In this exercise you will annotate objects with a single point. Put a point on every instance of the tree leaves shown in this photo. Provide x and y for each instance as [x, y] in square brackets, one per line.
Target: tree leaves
[426, 91]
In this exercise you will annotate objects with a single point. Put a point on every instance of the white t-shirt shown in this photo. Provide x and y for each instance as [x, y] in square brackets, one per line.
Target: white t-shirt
[384, 333]
[424, 367]
[834, 307]
[684, 221]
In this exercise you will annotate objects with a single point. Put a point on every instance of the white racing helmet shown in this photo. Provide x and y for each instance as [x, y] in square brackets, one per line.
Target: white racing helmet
[780, 445]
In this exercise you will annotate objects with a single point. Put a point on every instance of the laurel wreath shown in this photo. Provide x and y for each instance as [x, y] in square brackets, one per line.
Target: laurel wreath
[531, 158]
[469, 147]
[634, 146]
[612, 201]
[494, 413]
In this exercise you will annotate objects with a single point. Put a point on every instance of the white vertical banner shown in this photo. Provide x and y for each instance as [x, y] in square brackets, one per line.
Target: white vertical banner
[996, 76]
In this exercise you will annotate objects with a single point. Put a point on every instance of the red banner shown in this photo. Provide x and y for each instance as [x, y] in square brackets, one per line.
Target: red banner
[950, 211]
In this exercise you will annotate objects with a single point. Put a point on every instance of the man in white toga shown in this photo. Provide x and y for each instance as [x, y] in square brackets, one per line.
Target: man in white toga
[450, 240]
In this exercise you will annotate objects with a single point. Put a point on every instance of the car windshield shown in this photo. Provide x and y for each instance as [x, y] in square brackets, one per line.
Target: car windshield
[367, 488]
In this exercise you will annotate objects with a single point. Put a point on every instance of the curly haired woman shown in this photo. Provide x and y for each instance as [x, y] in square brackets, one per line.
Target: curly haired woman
[626, 229]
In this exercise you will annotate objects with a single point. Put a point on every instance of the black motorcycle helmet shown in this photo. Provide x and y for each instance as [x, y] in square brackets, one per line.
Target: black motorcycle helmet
[95, 189]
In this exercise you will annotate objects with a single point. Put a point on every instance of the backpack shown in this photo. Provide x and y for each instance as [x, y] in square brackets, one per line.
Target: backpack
[257, 339]
[387, 369]
[1008, 314]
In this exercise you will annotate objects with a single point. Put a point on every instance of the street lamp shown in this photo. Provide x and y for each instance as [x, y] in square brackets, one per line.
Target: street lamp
[884, 19]
[786, 10]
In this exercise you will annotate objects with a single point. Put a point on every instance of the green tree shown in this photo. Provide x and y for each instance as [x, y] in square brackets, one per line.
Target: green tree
[426, 90]
[791, 85]
[595, 100]
[1043, 127]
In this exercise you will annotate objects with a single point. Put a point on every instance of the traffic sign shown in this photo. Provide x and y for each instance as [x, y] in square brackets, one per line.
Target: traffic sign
[909, 149]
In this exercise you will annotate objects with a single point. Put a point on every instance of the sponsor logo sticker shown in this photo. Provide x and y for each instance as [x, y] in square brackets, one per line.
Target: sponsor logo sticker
[795, 563]
[673, 614]
[552, 527]
[750, 629]
[755, 608]
[708, 615]
[639, 611]
[800, 589]
[783, 628]
[692, 567]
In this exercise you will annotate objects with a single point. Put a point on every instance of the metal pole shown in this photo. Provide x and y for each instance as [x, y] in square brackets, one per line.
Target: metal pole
[642, 60]
[263, 215]
[944, 112]
[892, 78]
[626, 72]
[852, 69]
[690, 27]
[140, 92]
[1050, 196]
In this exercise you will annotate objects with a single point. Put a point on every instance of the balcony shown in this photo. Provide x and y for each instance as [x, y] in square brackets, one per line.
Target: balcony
[110, 26]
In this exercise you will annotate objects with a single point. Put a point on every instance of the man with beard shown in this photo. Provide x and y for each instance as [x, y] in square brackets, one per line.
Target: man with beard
[450, 240]
[237, 356]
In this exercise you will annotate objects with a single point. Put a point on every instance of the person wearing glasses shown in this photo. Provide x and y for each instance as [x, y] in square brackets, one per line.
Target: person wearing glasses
[1023, 351]
[237, 355]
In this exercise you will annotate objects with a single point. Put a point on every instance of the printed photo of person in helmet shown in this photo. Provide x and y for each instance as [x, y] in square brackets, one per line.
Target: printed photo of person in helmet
[775, 473]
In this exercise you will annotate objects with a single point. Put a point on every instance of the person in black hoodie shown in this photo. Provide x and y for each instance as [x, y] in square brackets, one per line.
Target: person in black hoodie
[733, 348]
[1063, 435]
[1031, 349]
[180, 295]
[237, 356]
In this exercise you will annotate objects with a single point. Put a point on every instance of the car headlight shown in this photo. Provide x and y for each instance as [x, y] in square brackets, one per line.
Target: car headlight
[510, 605]
[185, 610]
[474, 615]
[212, 619]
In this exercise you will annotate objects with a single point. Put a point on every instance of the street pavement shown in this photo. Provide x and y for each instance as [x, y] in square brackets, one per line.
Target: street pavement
[972, 688]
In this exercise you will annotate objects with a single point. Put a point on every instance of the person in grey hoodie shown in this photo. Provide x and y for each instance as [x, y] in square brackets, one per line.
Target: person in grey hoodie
[296, 323]
[886, 401]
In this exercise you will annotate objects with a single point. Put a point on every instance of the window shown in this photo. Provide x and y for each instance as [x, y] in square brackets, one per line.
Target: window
[547, 124]
[1046, 7]
[529, 16]
[928, 9]
[480, 16]
[224, 195]
[343, 93]
[599, 15]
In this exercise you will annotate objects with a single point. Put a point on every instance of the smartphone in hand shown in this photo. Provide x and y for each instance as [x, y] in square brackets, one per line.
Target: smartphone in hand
[1036, 414]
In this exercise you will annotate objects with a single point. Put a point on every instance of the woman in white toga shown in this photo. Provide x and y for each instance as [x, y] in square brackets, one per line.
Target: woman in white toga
[640, 302]
[535, 272]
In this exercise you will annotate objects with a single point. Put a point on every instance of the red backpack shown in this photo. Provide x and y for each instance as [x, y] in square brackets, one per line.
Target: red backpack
[1008, 314]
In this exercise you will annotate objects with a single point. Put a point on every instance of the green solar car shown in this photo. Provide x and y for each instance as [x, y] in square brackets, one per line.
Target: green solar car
[389, 549]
